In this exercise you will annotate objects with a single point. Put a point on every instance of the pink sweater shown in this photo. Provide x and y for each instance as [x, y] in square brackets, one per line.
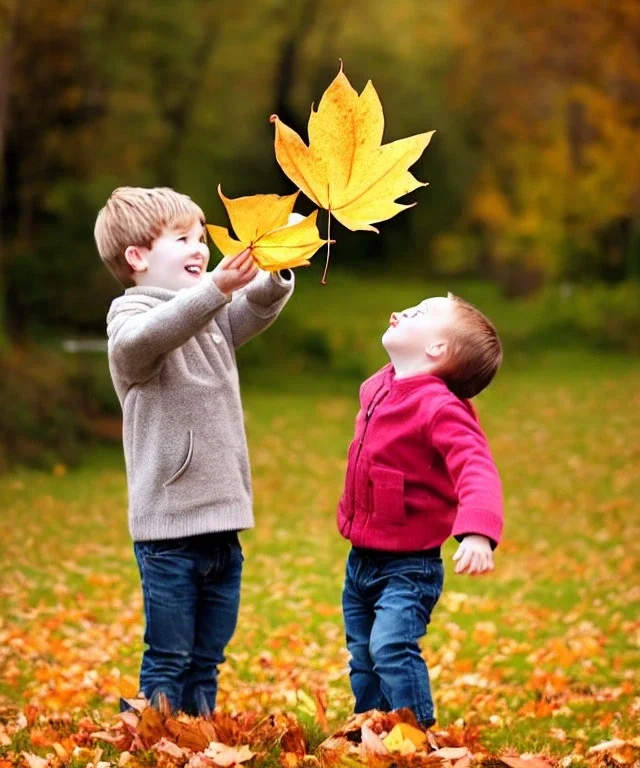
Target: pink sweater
[419, 468]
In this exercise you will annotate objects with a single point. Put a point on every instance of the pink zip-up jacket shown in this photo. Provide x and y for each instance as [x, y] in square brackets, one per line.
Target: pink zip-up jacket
[419, 468]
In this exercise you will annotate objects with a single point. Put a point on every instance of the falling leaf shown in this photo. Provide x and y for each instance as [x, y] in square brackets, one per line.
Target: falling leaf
[260, 222]
[346, 169]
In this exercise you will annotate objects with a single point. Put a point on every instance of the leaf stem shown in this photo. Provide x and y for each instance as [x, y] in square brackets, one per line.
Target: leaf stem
[326, 266]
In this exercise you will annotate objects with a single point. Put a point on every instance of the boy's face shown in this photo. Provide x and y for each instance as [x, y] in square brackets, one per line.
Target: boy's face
[177, 259]
[422, 331]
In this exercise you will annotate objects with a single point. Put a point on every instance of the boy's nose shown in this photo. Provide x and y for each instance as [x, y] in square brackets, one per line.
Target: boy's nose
[202, 250]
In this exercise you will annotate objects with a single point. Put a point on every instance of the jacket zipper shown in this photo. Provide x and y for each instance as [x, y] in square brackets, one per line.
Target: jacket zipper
[370, 410]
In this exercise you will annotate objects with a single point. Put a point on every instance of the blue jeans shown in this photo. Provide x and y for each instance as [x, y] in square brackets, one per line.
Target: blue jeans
[387, 603]
[191, 591]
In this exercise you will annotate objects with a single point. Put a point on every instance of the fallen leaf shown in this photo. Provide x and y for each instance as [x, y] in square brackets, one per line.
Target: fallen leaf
[525, 762]
[606, 746]
[224, 756]
[452, 753]
[194, 734]
[34, 761]
[372, 744]
[168, 748]
[260, 223]
[405, 739]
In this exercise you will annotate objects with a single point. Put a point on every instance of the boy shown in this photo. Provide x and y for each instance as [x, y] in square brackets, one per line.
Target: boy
[172, 340]
[418, 471]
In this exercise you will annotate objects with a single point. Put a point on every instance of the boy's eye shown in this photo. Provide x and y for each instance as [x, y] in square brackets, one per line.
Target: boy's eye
[182, 239]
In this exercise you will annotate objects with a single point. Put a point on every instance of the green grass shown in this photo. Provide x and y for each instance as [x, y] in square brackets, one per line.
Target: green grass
[540, 655]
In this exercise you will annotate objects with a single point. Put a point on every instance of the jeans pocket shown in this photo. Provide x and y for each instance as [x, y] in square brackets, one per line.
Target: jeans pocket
[430, 583]
[185, 462]
[387, 494]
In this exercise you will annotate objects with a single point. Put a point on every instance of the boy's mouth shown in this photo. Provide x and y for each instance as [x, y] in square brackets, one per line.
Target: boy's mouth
[394, 320]
[193, 269]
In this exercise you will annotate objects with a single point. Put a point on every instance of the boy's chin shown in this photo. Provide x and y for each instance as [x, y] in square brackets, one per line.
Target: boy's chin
[390, 339]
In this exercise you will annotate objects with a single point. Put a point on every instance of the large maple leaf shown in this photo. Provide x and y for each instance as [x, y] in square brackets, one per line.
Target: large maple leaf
[346, 169]
[261, 223]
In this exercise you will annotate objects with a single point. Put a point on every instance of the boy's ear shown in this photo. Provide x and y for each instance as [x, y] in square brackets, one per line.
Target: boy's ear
[436, 350]
[136, 258]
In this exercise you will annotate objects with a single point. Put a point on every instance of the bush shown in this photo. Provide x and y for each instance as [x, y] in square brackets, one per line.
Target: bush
[50, 403]
[41, 420]
[603, 316]
[610, 316]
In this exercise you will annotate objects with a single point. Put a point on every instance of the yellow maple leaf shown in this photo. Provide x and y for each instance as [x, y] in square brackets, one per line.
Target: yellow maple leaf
[405, 739]
[260, 223]
[345, 168]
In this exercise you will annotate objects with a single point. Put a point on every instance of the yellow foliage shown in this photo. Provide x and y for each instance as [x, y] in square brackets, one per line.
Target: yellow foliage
[260, 223]
[345, 169]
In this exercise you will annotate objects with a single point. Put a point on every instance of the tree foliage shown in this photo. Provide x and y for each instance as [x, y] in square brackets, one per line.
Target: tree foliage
[534, 164]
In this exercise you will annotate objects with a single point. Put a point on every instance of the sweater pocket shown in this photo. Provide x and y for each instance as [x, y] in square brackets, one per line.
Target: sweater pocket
[185, 462]
[387, 494]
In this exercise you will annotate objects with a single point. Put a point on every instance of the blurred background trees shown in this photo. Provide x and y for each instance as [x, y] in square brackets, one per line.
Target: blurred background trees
[534, 170]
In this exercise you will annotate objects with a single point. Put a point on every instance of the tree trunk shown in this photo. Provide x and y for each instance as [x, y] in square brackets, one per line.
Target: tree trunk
[6, 65]
[288, 63]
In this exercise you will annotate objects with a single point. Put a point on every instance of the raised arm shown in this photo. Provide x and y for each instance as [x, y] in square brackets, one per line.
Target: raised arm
[139, 338]
[257, 306]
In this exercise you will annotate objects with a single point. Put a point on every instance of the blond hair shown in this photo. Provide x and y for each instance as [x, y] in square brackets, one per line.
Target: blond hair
[137, 216]
[474, 351]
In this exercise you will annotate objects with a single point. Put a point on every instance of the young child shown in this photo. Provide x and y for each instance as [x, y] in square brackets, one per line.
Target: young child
[172, 340]
[418, 471]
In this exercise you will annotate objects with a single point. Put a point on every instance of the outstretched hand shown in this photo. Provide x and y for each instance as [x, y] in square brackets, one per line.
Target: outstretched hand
[474, 556]
[234, 272]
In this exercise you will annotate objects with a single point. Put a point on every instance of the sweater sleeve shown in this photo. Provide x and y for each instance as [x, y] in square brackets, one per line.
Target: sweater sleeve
[458, 437]
[139, 338]
[254, 308]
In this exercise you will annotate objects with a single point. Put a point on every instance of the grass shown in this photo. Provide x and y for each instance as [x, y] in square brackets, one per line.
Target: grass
[540, 655]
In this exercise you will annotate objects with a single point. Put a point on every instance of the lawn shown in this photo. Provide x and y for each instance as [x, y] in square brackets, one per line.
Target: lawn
[541, 656]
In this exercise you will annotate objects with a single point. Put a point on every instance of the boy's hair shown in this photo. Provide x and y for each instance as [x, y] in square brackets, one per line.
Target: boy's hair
[475, 351]
[137, 216]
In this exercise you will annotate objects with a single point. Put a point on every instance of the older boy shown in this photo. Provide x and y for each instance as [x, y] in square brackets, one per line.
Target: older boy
[172, 340]
[419, 470]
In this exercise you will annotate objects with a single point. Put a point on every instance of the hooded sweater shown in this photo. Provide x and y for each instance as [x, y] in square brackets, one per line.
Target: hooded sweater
[173, 365]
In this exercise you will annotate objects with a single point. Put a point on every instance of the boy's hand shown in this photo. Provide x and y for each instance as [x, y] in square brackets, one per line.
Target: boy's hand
[234, 272]
[474, 556]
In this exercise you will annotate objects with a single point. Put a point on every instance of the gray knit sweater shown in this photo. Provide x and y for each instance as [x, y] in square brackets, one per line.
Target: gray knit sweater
[172, 361]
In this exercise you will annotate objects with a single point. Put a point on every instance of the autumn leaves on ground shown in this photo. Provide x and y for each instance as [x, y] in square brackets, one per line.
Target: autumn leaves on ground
[540, 658]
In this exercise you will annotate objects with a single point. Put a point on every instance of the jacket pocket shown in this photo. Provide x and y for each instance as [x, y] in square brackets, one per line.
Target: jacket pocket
[387, 494]
[185, 462]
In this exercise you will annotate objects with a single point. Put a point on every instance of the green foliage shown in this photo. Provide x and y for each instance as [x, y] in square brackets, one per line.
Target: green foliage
[326, 338]
[48, 402]
[599, 316]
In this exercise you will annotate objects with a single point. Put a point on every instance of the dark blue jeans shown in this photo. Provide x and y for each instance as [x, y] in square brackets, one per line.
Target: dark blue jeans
[387, 603]
[191, 590]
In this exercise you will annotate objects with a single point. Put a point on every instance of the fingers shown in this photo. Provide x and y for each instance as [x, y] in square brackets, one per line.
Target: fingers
[247, 276]
[235, 262]
[473, 562]
[246, 265]
[464, 561]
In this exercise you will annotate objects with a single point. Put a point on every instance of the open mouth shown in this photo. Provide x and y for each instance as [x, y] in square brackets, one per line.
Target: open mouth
[193, 269]
[394, 320]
